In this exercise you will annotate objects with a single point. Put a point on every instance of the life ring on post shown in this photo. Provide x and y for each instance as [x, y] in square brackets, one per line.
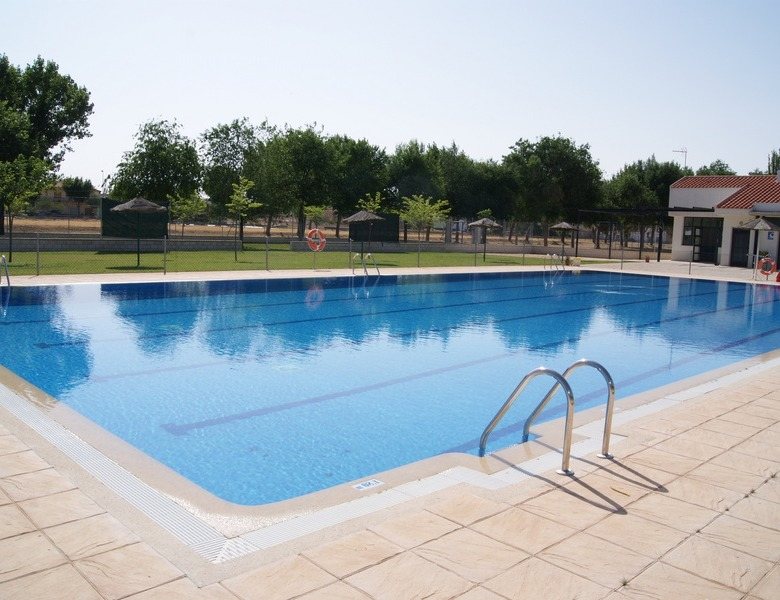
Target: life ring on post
[766, 266]
[316, 240]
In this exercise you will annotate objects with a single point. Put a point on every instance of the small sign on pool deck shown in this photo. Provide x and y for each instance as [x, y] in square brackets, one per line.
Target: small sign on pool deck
[365, 485]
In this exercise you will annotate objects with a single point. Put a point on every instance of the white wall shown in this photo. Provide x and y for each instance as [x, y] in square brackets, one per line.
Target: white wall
[699, 197]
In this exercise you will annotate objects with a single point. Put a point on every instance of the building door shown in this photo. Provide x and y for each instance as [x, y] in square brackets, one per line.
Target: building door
[740, 247]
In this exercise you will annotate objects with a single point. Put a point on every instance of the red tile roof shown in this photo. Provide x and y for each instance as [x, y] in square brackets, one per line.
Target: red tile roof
[750, 189]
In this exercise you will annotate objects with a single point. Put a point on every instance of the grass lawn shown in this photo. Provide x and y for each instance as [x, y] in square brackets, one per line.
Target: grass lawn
[253, 257]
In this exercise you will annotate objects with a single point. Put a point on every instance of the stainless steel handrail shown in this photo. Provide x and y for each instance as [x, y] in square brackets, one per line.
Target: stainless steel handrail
[363, 258]
[583, 362]
[560, 382]
[4, 264]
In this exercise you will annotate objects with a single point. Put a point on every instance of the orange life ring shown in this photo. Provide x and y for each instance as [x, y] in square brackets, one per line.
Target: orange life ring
[766, 266]
[316, 240]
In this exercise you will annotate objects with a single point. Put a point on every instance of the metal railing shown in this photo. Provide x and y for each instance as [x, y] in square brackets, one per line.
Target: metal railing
[363, 258]
[560, 382]
[583, 362]
[4, 265]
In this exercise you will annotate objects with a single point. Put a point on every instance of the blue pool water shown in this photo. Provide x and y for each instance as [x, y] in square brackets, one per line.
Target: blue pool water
[260, 391]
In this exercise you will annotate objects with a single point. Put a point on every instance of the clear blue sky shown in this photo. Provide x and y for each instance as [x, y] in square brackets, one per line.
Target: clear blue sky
[630, 78]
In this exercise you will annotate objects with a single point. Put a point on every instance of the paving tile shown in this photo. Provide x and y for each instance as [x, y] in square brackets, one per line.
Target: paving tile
[730, 428]
[89, 536]
[765, 410]
[665, 426]
[713, 438]
[352, 553]
[523, 529]
[407, 576]
[718, 563]
[535, 578]
[334, 591]
[570, 509]
[747, 464]
[21, 462]
[10, 444]
[759, 449]
[414, 529]
[665, 461]
[601, 561]
[480, 593]
[286, 578]
[27, 553]
[184, 589]
[4, 499]
[640, 535]
[726, 477]
[662, 582]
[744, 536]
[633, 473]
[672, 512]
[125, 571]
[465, 509]
[747, 419]
[689, 448]
[59, 583]
[4, 431]
[768, 586]
[769, 490]
[35, 484]
[471, 555]
[610, 491]
[703, 494]
[55, 509]
[768, 436]
[757, 510]
[13, 522]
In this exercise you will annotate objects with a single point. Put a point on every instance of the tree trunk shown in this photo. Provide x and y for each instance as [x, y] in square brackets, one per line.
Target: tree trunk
[268, 225]
[338, 225]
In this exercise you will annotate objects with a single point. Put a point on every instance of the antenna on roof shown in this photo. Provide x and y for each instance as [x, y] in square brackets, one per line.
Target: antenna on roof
[684, 152]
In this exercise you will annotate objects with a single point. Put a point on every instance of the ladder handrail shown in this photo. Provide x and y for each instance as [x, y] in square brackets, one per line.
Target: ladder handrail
[583, 362]
[363, 258]
[4, 264]
[560, 381]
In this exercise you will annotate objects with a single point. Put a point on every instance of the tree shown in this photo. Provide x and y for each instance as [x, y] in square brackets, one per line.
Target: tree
[21, 180]
[717, 167]
[314, 214]
[226, 152]
[360, 168]
[163, 163]
[555, 178]
[773, 163]
[77, 189]
[414, 169]
[240, 204]
[186, 208]
[421, 213]
[371, 202]
[41, 111]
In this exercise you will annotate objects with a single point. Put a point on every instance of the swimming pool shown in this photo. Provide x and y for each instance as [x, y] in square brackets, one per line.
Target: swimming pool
[260, 391]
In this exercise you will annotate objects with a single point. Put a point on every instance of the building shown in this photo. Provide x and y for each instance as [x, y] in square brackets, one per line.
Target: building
[744, 220]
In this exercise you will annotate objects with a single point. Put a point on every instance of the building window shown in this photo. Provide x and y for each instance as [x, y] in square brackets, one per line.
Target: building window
[702, 229]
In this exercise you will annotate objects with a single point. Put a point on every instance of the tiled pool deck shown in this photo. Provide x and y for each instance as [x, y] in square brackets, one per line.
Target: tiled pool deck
[689, 508]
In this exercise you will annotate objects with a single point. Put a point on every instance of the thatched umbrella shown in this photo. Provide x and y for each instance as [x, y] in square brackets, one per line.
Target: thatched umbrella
[139, 206]
[484, 224]
[563, 227]
[364, 216]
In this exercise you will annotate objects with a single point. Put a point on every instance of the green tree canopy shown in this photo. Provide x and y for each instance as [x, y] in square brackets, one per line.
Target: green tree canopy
[227, 152]
[414, 169]
[717, 167]
[187, 208]
[21, 180]
[359, 169]
[41, 111]
[555, 178]
[77, 188]
[163, 163]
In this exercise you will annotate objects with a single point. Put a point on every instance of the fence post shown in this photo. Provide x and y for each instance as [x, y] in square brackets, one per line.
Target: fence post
[165, 256]
[266, 254]
[38, 253]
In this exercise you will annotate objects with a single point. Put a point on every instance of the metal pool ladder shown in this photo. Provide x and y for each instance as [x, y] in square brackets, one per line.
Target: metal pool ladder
[562, 382]
[4, 265]
[363, 258]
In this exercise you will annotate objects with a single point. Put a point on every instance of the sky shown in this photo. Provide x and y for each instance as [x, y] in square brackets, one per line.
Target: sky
[629, 78]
